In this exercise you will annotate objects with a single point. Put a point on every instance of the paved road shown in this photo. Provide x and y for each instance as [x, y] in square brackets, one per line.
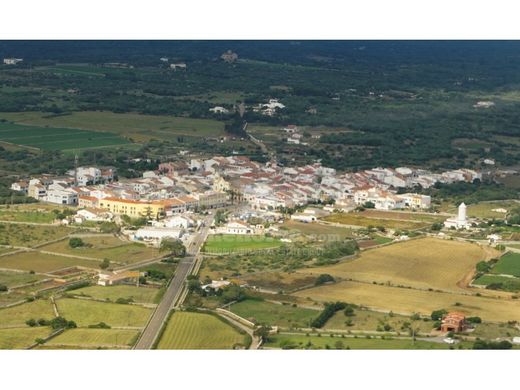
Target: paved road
[174, 290]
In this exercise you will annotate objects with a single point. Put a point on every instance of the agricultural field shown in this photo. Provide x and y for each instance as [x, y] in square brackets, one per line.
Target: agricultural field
[276, 281]
[55, 138]
[509, 264]
[284, 315]
[23, 215]
[188, 330]
[488, 279]
[425, 263]
[407, 301]
[301, 341]
[485, 209]
[12, 279]
[138, 127]
[30, 235]
[17, 315]
[112, 293]
[87, 312]
[317, 230]
[387, 220]
[105, 247]
[229, 243]
[21, 338]
[371, 321]
[43, 262]
[94, 338]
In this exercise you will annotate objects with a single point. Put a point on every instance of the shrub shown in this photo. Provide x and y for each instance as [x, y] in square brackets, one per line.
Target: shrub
[76, 242]
[322, 279]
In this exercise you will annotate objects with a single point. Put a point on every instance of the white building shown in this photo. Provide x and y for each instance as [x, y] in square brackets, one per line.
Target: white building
[180, 65]
[12, 61]
[155, 235]
[459, 222]
[219, 110]
[62, 196]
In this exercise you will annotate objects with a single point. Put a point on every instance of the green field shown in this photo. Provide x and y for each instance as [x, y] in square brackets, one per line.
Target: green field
[86, 313]
[26, 216]
[55, 138]
[501, 282]
[263, 312]
[138, 127]
[30, 235]
[295, 341]
[11, 279]
[229, 243]
[188, 330]
[103, 247]
[94, 338]
[21, 338]
[508, 264]
[112, 293]
[17, 315]
[43, 262]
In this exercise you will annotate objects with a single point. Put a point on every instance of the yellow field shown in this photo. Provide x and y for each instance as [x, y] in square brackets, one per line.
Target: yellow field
[408, 301]
[424, 263]
[187, 330]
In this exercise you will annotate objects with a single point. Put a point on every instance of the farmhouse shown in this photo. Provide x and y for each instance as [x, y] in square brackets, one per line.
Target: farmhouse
[92, 214]
[454, 322]
[180, 65]
[219, 110]
[12, 61]
[110, 279]
[229, 56]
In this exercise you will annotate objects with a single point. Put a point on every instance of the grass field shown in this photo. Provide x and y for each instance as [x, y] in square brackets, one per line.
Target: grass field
[317, 229]
[42, 262]
[112, 293]
[366, 220]
[17, 315]
[21, 338]
[30, 235]
[187, 330]
[294, 341]
[138, 127]
[26, 216]
[95, 338]
[508, 264]
[55, 138]
[86, 313]
[367, 320]
[485, 209]
[422, 263]
[228, 243]
[263, 312]
[408, 301]
[11, 279]
[111, 248]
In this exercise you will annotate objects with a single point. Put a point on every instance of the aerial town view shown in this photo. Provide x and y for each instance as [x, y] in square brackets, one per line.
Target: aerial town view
[334, 195]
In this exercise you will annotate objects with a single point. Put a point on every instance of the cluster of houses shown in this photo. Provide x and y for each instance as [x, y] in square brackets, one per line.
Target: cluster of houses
[12, 61]
[270, 108]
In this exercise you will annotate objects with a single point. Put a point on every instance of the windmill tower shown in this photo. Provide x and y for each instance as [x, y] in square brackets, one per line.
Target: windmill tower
[462, 213]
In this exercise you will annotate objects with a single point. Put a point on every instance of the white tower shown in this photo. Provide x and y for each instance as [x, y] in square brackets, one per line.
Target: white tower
[462, 213]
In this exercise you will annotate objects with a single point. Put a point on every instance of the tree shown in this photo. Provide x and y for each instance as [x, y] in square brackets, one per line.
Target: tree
[104, 264]
[3, 288]
[369, 205]
[173, 247]
[323, 278]
[76, 242]
[263, 332]
[438, 314]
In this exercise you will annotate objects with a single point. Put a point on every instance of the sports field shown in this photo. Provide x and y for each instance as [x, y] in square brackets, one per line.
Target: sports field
[188, 330]
[95, 338]
[56, 138]
[138, 127]
[43, 262]
[105, 247]
[112, 293]
[21, 338]
[85, 313]
[263, 312]
[229, 243]
[17, 315]
[508, 264]
[408, 301]
[422, 263]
